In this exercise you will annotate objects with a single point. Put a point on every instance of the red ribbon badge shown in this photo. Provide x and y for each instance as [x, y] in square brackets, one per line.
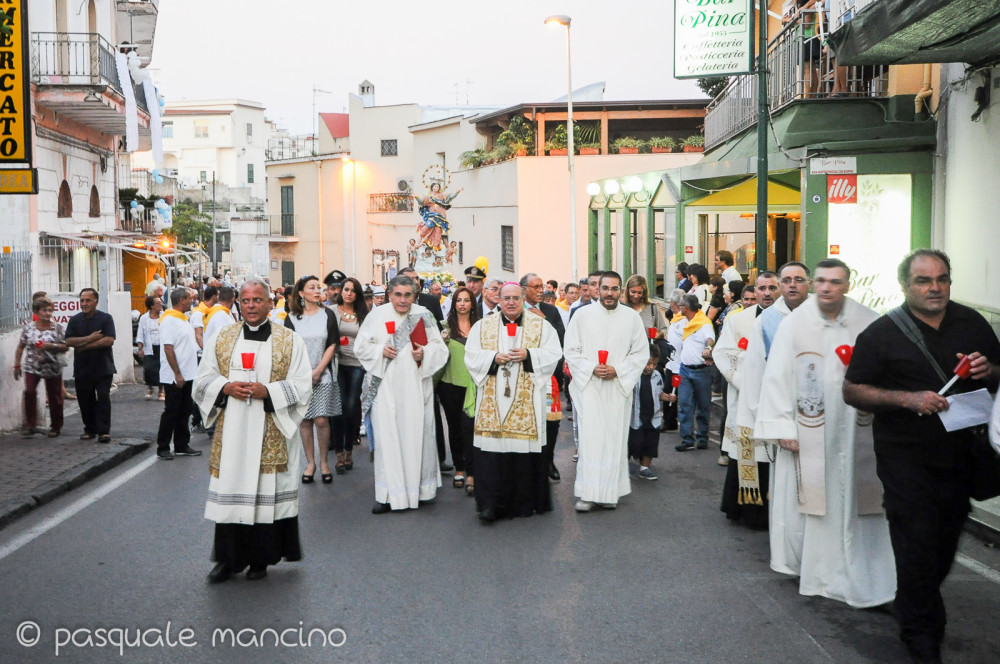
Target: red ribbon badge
[844, 353]
[248, 359]
[602, 356]
[743, 343]
[390, 327]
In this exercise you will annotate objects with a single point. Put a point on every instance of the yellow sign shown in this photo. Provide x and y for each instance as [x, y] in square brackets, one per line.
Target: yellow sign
[18, 181]
[15, 105]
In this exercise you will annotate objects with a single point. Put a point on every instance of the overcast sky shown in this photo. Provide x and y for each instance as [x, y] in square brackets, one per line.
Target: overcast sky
[424, 52]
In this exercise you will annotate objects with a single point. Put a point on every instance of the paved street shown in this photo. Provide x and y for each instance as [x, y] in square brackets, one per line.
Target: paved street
[664, 578]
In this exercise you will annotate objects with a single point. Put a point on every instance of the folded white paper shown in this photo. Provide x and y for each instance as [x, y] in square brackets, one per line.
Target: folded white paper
[967, 410]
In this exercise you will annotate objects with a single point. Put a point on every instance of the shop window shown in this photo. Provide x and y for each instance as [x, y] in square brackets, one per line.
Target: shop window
[65, 200]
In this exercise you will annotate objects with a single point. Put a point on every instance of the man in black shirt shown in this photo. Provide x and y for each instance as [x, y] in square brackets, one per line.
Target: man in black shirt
[925, 471]
[92, 334]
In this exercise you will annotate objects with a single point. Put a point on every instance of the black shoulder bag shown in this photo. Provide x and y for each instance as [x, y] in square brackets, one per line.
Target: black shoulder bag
[985, 471]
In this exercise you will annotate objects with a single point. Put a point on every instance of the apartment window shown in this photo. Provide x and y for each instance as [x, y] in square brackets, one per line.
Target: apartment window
[390, 148]
[203, 176]
[507, 248]
[249, 173]
[287, 211]
[287, 272]
[201, 129]
[95, 202]
[168, 130]
[249, 130]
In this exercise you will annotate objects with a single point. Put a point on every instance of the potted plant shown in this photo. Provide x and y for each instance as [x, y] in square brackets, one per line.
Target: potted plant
[519, 135]
[694, 143]
[661, 144]
[590, 148]
[556, 145]
[627, 145]
[501, 152]
[474, 158]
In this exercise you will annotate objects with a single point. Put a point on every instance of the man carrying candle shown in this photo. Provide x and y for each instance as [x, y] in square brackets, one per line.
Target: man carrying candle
[401, 347]
[254, 383]
[745, 491]
[606, 350]
[511, 357]
[840, 535]
[925, 471]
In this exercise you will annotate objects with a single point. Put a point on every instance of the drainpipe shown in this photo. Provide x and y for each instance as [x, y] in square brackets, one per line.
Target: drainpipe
[319, 208]
[925, 92]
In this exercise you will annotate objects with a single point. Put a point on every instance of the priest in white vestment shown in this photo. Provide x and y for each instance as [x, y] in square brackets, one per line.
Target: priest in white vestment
[846, 553]
[745, 491]
[511, 357]
[254, 384]
[401, 396]
[602, 391]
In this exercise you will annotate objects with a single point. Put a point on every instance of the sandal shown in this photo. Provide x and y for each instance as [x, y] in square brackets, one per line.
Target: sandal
[458, 482]
[340, 467]
[470, 489]
[308, 479]
[327, 478]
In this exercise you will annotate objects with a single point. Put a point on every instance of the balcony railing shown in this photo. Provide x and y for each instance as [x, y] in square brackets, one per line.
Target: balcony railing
[799, 67]
[390, 203]
[76, 58]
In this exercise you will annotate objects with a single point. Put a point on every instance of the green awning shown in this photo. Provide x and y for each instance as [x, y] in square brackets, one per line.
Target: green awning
[892, 32]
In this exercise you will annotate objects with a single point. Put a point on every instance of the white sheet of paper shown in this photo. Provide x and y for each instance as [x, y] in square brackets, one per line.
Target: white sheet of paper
[967, 410]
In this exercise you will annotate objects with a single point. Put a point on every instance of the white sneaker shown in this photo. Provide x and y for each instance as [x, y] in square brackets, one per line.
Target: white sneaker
[584, 506]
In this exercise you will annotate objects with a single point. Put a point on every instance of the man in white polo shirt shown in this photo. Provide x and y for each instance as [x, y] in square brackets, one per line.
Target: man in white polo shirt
[694, 396]
[178, 367]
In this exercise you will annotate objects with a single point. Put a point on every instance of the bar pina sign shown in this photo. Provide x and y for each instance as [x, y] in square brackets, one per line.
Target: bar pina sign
[15, 104]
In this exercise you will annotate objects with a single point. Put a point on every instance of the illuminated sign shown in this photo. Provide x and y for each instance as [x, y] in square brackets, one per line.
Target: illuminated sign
[18, 181]
[713, 38]
[15, 104]
[872, 235]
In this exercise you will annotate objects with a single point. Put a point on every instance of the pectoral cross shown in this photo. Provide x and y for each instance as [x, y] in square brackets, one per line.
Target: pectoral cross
[506, 375]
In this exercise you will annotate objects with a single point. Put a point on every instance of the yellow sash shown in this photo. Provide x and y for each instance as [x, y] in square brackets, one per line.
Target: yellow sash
[214, 310]
[202, 307]
[171, 313]
[699, 321]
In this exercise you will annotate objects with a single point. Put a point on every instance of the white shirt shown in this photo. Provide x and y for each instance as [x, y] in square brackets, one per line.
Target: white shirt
[731, 274]
[180, 335]
[691, 348]
[148, 333]
[219, 320]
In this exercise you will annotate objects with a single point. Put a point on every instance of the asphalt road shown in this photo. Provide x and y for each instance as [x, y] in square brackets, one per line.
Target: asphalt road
[664, 578]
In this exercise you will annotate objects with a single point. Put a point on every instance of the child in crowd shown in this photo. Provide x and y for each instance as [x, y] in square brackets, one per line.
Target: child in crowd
[644, 429]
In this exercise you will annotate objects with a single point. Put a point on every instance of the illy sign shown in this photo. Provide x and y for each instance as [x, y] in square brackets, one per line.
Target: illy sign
[841, 189]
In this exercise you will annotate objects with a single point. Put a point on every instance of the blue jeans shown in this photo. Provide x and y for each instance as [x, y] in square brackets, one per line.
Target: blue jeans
[694, 401]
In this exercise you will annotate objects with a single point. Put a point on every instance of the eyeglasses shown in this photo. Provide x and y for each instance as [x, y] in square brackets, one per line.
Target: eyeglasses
[788, 281]
[493, 289]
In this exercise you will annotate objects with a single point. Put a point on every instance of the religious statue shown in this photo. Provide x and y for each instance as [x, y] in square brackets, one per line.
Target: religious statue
[433, 208]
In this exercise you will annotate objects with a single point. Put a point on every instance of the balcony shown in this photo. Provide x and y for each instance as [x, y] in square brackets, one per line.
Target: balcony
[800, 68]
[390, 203]
[137, 24]
[77, 77]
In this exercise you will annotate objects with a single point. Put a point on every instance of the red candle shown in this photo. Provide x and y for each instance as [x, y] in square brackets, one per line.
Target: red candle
[964, 367]
[743, 343]
[344, 340]
[602, 356]
[511, 329]
[39, 344]
[675, 381]
[248, 359]
[652, 333]
[390, 326]
[844, 353]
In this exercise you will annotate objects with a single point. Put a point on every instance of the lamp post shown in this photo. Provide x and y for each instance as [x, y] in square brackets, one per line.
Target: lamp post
[215, 254]
[352, 242]
[562, 19]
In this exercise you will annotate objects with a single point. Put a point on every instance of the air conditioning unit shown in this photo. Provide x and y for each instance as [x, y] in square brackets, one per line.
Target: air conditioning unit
[404, 186]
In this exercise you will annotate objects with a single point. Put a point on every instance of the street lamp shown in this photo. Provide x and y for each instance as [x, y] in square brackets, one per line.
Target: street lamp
[562, 19]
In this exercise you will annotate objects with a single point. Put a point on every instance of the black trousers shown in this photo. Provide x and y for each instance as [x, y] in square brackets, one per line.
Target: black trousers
[551, 435]
[460, 425]
[177, 405]
[669, 409]
[345, 427]
[94, 396]
[439, 429]
[926, 508]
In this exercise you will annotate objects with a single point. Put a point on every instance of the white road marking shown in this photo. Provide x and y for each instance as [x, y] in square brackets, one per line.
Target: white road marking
[82, 503]
[978, 567]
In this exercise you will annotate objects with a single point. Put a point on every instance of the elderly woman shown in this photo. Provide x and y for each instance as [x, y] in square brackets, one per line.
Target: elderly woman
[42, 341]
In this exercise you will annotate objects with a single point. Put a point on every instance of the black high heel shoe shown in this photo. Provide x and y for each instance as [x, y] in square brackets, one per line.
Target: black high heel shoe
[308, 479]
[327, 478]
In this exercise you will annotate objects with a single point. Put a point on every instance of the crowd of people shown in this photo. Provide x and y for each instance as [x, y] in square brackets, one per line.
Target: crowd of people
[827, 434]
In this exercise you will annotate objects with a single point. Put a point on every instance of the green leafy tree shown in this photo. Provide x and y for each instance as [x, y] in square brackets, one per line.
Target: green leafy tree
[189, 224]
[713, 85]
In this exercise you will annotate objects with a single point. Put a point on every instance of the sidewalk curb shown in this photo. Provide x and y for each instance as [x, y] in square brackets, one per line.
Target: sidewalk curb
[15, 508]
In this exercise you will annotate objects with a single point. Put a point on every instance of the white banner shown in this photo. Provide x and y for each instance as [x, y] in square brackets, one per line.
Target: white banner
[131, 110]
[713, 38]
[155, 124]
